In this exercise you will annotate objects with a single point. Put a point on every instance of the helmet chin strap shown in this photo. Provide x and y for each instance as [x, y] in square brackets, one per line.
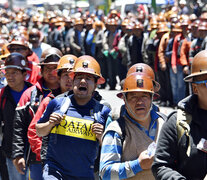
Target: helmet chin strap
[132, 113]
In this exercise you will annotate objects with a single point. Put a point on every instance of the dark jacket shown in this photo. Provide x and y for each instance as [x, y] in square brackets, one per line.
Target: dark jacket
[58, 39]
[171, 161]
[25, 111]
[135, 50]
[7, 112]
[76, 43]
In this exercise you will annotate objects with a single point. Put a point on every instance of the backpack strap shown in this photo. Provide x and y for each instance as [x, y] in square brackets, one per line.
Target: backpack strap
[65, 105]
[96, 111]
[162, 115]
[63, 109]
[183, 127]
[121, 122]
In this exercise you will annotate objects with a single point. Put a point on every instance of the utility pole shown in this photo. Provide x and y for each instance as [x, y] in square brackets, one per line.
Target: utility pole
[10, 4]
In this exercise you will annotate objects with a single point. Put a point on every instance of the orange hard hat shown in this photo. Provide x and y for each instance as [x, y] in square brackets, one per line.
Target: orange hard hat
[193, 17]
[161, 18]
[153, 24]
[98, 24]
[198, 66]
[21, 41]
[87, 64]
[144, 69]
[203, 16]
[137, 83]
[202, 26]
[79, 21]
[185, 22]
[111, 22]
[196, 23]
[114, 11]
[34, 35]
[162, 28]
[125, 22]
[138, 25]
[177, 28]
[66, 62]
[4, 51]
[89, 21]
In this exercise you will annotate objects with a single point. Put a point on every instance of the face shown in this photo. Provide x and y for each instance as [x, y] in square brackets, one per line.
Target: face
[84, 86]
[138, 104]
[194, 31]
[184, 28]
[201, 91]
[137, 32]
[202, 33]
[49, 73]
[88, 26]
[98, 28]
[65, 81]
[15, 78]
[19, 49]
[79, 27]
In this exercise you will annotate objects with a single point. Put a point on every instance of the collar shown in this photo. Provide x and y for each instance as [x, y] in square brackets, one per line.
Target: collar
[153, 114]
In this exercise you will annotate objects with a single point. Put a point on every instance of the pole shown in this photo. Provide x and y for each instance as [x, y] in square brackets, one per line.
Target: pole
[154, 5]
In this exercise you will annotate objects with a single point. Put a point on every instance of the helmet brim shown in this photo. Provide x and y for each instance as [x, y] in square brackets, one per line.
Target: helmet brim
[100, 80]
[121, 94]
[190, 77]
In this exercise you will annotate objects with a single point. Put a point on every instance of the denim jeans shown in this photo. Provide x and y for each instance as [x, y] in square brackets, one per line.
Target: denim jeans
[13, 173]
[177, 84]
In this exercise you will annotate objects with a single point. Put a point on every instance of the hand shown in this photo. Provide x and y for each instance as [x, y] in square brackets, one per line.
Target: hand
[78, 49]
[174, 69]
[186, 70]
[98, 130]
[55, 118]
[163, 67]
[19, 163]
[112, 51]
[67, 50]
[63, 50]
[106, 53]
[145, 160]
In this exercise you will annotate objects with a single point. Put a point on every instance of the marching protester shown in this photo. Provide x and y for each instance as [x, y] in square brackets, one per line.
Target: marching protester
[138, 127]
[15, 72]
[181, 149]
[26, 109]
[140, 40]
[75, 125]
[65, 64]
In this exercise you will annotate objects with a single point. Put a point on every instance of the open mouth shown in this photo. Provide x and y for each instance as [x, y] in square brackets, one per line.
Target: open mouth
[140, 108]
[82, 89]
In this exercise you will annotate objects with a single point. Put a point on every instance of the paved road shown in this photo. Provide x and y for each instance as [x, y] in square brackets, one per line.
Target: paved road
[115, 102]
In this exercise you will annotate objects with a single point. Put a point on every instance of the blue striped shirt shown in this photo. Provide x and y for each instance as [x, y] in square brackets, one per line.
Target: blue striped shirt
[111, 166]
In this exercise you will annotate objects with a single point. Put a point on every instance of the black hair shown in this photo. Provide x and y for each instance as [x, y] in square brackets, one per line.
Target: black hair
[23, 71]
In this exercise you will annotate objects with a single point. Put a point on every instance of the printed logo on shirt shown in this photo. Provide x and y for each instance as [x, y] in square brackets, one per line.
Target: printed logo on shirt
[75, 127]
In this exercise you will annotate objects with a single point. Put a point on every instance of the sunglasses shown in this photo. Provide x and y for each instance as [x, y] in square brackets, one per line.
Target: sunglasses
[201, 82]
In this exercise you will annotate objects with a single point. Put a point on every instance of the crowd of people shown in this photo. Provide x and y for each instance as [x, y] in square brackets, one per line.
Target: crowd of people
[54, 122]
